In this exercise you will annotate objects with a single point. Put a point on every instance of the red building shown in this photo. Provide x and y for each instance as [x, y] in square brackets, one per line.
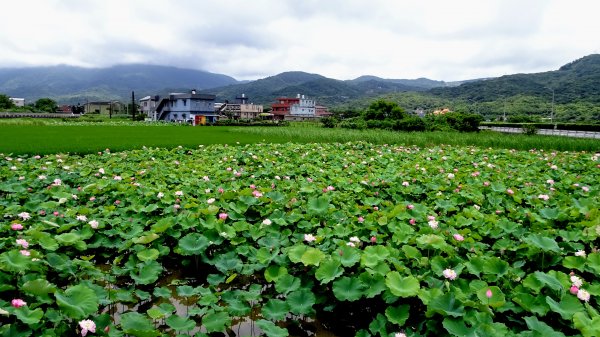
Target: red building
[282, 107]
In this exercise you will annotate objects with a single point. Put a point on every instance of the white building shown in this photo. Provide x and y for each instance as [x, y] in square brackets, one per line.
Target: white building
[305, 107]
[18, 101]
[148, 105]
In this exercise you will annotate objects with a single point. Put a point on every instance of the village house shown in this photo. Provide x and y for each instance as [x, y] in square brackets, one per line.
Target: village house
[197, 109]
[297, 109]
[148, 105]
[104, 108]
[18, 102]
[241, 109]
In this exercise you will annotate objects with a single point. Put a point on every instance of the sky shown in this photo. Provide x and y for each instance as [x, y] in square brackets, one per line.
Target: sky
[446, 40]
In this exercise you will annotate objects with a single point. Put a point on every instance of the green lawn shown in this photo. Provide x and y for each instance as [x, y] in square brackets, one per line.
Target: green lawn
[87, 138]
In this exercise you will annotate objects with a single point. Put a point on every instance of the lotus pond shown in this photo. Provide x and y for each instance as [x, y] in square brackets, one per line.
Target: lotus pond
[300, 240]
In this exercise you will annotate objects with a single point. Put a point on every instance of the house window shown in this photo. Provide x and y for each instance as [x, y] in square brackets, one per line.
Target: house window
[174, 116]
[184, 102]
[183, 115]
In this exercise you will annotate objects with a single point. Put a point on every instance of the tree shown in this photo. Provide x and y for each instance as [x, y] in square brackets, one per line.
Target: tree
[46, 104]
[381, 109]
[5, 102]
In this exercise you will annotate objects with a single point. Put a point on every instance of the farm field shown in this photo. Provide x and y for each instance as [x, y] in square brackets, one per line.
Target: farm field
[292, 239]
[28, 138]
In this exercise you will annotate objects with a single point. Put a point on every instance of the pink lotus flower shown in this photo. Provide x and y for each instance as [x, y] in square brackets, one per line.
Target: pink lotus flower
[87, 325]
[81, 218]
[210, 201]
[23, 243]
[117, 202]
[117, 178]
[486, 183]
[489, 293]
[221, 190]
[580, 253]
[176, 206]
[405, 183]
[449, 274]
[355, 239]
[17, 303]
[266, 222]
[583, 295]
[92, 198]
[93, 224]
[257, 194]
[458, 237]
[433, 224]
[361, 219]
[574, 290]
[24, 215]
[309, 238]
[509, 191]
[544, 197]
[223, 216]
[16, 227]
[412, 221]
[373, 239]
[330, 188]
[179, 193]
[410, 206]
[375, 208]
[25, 252]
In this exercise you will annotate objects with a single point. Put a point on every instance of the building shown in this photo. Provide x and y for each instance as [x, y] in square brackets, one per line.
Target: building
[148, 105]
[18, 101]
[104, 108]
[186, 108]
[298, 108]
[241, 109]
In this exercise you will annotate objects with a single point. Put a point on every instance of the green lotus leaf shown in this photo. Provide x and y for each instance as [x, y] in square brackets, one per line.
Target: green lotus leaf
[45, 240]
[328, 271]
[318, 205]
[542, 242]
[411, 252]
[146, 273]
[264, 255]
[398, 315]
[162, 292]
[457, 327]
[349, 256]
[216, 321]
[68, 239]
[567, 307]
[312, 257]
[162, 225]
[301, 301]
[14, 261]
[228, 262]
[374, 284]
[497, 299]
[273, 273]
[550, 213]
[348, 288]
[155, 313]
[186, 291]
[193, 244]
[270, 329]
[495, 266]
[295, 253]
[378, 326]
[179, 323]
[588, 327]
[40, 288]
[402, 286]
[148, 254]
[77, 302]
[287, 283]
[542, 328]
[138, 325]
[434, 241]
[447, 305]
[145, 239]
[534, 304]
[548, 280]
[373, 255]
[574, 262]
[27, 316]
[275, 310]
[593, 262]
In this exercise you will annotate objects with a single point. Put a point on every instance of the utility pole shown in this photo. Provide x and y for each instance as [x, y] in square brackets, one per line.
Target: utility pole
[110, 109]
[133, 105]
[552, 111]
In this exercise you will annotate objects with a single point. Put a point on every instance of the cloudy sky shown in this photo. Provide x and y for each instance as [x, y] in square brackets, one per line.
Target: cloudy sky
[343, 39]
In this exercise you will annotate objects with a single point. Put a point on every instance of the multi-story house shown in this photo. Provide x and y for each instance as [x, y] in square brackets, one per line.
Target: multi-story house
[186, 108]
[148, 105]
[18, 102]
[298, 108]
[241, 109]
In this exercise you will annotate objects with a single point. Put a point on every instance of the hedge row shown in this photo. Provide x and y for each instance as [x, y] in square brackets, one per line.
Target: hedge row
[558, 126]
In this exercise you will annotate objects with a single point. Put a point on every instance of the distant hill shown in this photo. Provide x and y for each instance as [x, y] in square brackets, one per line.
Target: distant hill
[68, 84]
[578, 81]
[325, 90]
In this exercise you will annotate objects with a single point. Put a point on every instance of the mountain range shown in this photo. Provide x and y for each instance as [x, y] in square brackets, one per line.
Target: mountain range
[578, 81]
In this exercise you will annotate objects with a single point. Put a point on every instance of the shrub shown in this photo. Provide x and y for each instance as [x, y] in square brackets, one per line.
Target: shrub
[354, 123]
[329, 122]
[410, 124]
[530, 129]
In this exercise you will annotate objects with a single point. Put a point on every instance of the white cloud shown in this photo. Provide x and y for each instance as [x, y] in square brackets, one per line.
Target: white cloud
[439, 39]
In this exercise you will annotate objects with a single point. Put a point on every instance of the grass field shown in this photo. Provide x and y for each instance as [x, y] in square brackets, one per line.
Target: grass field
[88, 138]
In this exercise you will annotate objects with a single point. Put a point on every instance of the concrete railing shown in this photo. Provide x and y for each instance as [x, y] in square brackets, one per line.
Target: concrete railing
[549, 132]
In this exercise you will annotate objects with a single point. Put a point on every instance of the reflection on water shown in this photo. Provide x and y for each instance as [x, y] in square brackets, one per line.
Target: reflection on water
[185, 306]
